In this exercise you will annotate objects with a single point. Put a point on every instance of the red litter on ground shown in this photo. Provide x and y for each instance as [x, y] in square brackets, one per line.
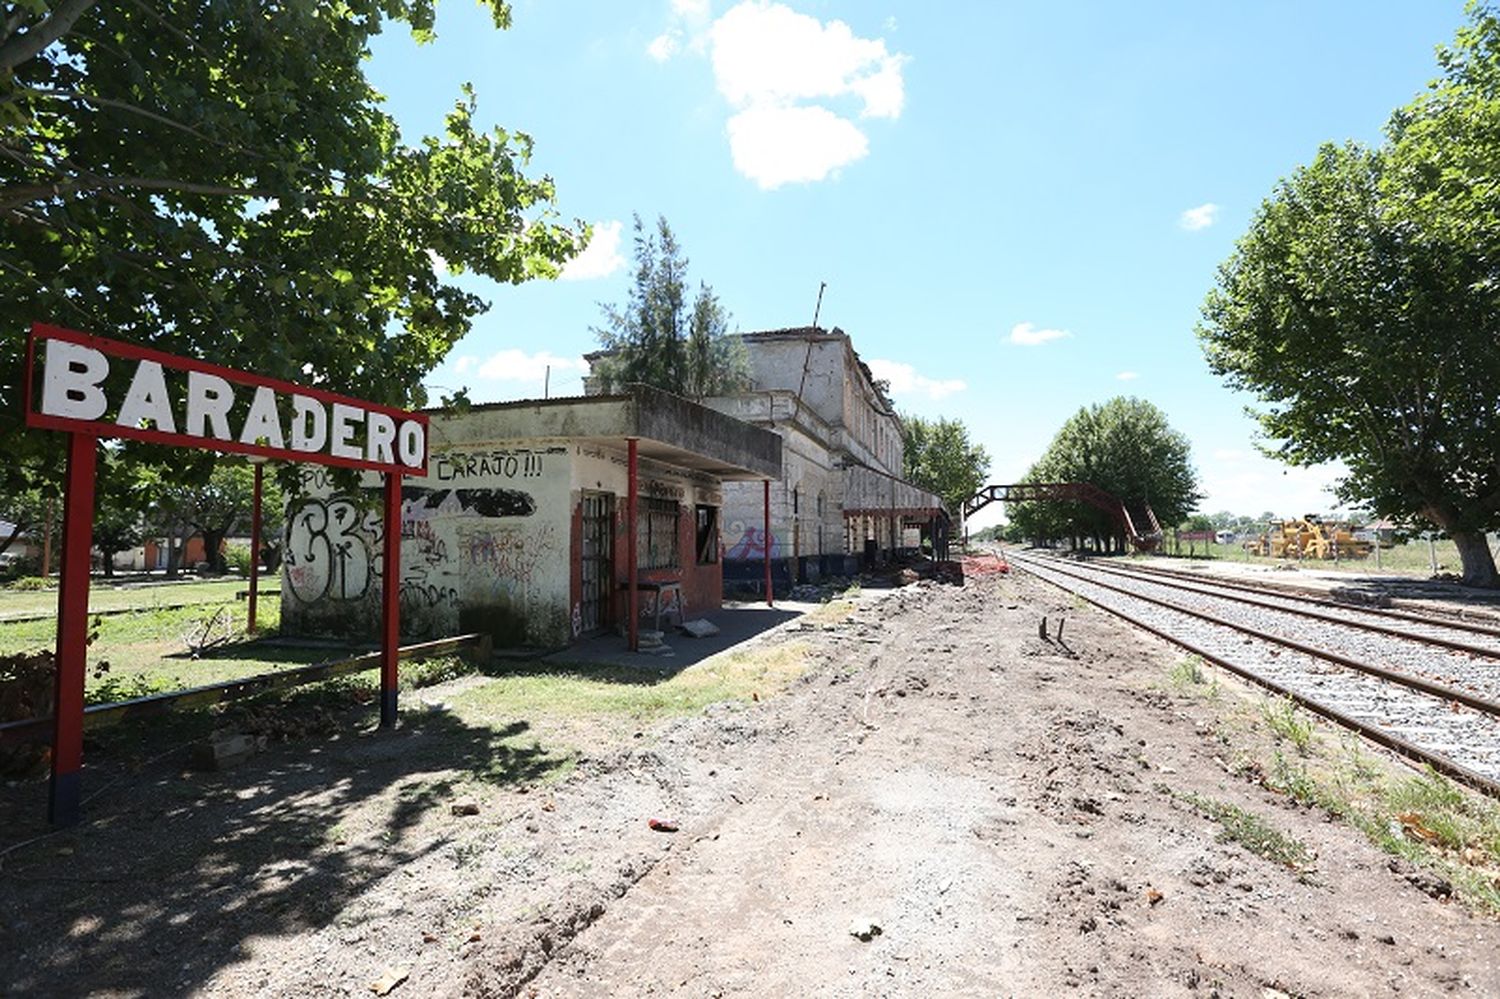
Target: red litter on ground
[987, 564]
[662, 825]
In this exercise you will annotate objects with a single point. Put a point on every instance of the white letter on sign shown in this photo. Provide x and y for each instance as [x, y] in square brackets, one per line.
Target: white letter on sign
[209, 399]
[380, 432]
[412, 443]
[147, 400]
[70, 381]
[344, 418]
[307, 411]
[263, 423]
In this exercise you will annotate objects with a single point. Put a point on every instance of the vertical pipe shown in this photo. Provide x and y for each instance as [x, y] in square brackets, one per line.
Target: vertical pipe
[633, 602]
[770, 597]
[254, 547]
[65, 799]
[390, 600]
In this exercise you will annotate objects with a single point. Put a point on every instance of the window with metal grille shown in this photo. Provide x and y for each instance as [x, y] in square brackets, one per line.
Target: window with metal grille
[708, 535]
[656, 534]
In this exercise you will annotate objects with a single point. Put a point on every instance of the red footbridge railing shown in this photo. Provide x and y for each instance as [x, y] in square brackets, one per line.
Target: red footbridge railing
[1137, 520]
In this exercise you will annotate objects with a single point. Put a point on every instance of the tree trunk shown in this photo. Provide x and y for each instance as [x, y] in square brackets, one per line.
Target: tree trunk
[213, 545]
[1479, 564]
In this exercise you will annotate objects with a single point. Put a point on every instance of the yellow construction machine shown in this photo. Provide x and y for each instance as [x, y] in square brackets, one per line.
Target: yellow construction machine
[1309, 537]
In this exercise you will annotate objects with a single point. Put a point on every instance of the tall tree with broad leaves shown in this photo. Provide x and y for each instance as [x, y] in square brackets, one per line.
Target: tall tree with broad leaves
[655, 339]
[1362, 308]
[220, 180]
[939, 456]
[1124, 446]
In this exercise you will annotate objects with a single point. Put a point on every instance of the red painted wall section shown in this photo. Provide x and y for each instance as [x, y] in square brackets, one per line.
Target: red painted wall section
[702, 585]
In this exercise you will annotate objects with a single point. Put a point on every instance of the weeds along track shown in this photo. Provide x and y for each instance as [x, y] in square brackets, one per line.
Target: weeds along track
[1432, 696]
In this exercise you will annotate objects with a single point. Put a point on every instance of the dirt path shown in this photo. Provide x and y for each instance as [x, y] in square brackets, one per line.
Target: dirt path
[1015, 816]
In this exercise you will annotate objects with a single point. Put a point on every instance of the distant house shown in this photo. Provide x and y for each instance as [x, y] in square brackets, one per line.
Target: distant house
[520, 528]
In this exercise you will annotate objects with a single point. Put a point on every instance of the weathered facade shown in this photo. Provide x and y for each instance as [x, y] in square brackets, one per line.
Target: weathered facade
[520, 529]
[841, 501]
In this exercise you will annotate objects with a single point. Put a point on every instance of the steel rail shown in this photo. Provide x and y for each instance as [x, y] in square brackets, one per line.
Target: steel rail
[1483, 704]
[1190, 585]
[1395, 743]
[1307, 597]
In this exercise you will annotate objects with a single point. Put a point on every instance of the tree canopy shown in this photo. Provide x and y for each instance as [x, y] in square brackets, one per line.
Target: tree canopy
[220, 180]
[655, 339]
[1127, 448]
[938, 456]
[1362, 308]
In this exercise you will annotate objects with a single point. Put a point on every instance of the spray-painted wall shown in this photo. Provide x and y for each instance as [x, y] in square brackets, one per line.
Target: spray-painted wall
[484, 547]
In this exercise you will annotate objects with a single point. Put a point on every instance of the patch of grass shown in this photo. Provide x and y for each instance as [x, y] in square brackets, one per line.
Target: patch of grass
[1252, 832]
[431, 672]
[1187, 673]
[1288, 722]
[830, 613]
[583, 691]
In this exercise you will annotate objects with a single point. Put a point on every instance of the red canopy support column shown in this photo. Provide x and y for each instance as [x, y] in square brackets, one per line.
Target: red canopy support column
[632, 489]
[390, 600]
[770, 597]
[254, 547]
[64, 803]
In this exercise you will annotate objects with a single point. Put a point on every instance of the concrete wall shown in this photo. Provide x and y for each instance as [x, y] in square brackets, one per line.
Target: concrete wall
[484, 547]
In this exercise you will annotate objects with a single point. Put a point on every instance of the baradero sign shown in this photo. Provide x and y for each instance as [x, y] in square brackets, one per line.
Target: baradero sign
[90, 387]
[110, 389]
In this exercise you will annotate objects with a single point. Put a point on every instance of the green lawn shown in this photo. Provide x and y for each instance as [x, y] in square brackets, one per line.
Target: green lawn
[1410, 559]
[105, 595]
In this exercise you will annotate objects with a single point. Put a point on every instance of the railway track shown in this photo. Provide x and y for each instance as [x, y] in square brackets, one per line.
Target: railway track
[1423, 687]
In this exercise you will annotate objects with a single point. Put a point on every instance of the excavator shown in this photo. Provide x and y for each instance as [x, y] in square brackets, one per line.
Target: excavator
[1309, 537]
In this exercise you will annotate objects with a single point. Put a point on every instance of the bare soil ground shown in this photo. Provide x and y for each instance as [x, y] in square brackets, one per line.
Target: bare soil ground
[1015, 816]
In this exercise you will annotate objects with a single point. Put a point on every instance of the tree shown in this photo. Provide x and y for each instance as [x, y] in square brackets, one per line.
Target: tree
[938, 456]
[1361, 308]
[221, 180]
[1125, 447]
[655, 340]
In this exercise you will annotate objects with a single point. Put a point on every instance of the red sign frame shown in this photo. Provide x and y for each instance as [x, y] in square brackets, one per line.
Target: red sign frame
[65, 799]
[129, 351]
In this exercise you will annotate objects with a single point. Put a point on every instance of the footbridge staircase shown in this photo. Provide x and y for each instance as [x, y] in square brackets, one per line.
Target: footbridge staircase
[1136, 519]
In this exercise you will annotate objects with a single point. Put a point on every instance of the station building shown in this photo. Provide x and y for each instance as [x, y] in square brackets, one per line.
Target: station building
[519, 529]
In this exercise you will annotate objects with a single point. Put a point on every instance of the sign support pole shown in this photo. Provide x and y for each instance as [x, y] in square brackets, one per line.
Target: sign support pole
[254, 548]
[64, 803]
[390, 600]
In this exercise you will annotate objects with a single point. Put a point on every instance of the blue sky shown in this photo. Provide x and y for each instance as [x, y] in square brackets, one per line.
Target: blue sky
[1017, 207]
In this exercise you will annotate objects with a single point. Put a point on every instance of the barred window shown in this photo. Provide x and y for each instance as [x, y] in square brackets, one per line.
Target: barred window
[708, 535]
[656, 534]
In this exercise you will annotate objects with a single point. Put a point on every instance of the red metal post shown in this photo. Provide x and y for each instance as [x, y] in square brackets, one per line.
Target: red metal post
[64, 804]
[390, 600]
[254, 548]
[633, 603]
[770, 598]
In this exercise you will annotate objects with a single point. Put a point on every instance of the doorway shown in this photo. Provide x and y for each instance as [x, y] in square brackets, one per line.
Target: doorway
[598, 546]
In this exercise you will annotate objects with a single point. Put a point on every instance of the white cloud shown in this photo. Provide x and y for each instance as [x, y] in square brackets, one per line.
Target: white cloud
[1199, 218]
[691, 9]
[601, 257]
[439, 265]
[905, 380]
[784, 73]
[464, 363]
[514, 365]
[774, 146]
[663, 46]
[1027, 335]
[1250, 483]
[769, 53]
[1128, 376]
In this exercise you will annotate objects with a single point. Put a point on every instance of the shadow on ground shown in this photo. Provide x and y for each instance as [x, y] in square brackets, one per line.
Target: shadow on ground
[174, 873]
[737, 623]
